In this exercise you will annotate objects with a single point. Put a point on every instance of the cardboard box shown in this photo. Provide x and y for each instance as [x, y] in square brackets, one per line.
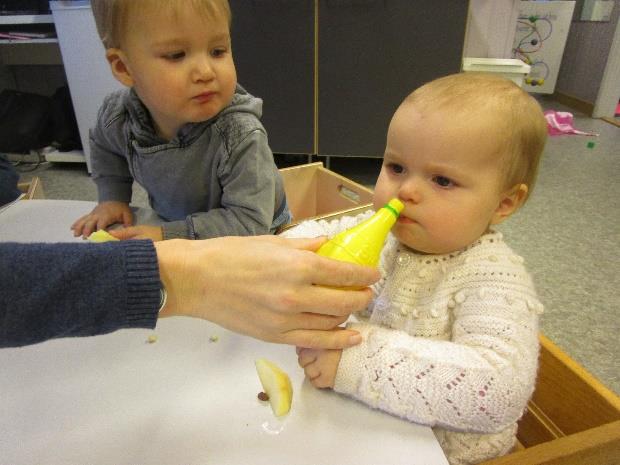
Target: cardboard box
[572, 418]
[33, 189]
[314, 192]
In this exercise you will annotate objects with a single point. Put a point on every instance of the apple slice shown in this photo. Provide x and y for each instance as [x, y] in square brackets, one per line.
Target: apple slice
[276, 384]
[101, 235]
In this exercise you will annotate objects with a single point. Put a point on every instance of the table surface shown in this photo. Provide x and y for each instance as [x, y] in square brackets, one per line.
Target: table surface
[188, 398]
[51, 220]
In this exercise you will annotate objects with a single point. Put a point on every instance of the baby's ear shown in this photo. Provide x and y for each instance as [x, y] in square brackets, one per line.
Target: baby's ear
[510, 201]
[118, 65]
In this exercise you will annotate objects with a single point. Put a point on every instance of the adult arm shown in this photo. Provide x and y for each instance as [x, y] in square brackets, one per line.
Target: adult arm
[59, 290]
[269, 288]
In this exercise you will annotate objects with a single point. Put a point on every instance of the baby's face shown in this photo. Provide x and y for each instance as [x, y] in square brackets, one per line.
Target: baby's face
[445, 170]
[181, 64]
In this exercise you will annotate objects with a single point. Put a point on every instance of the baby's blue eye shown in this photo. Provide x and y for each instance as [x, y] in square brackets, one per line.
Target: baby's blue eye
[218, 52]
[442, 181]
[395, 168]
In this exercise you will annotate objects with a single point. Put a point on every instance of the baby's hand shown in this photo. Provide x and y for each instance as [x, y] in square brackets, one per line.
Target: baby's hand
[143, 231]
[102, 216]
[320, 366]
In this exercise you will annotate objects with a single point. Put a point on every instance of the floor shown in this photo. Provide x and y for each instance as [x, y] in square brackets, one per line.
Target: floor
[568, 233]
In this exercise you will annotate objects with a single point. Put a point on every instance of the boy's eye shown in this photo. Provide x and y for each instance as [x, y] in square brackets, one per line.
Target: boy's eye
[174, 56]
[442, 181]
[395, 168]
[218, 52]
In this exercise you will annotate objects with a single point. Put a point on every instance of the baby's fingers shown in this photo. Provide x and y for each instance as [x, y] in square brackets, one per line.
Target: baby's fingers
[306, 357]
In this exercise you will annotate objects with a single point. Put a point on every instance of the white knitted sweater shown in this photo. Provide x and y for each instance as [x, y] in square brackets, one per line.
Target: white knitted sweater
[450, 341]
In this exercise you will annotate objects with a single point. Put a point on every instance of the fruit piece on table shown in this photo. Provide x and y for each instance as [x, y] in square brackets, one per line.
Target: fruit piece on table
[276, 384]
[101, 235]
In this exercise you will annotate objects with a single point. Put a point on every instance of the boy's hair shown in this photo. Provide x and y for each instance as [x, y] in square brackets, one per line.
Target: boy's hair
[520, 124]
[111, 16]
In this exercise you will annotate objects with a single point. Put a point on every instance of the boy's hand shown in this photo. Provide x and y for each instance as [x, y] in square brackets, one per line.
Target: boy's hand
[320, 366]
[102, 216]
[144, 231]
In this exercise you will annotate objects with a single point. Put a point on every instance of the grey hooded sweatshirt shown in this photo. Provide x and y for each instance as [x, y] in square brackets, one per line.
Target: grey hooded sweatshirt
[215, 178]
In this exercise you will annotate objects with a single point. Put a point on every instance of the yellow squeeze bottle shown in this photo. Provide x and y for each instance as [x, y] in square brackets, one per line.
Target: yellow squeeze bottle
[362, 244]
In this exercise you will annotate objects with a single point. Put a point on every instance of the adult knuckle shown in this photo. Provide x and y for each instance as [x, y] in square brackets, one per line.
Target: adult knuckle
[288, 300]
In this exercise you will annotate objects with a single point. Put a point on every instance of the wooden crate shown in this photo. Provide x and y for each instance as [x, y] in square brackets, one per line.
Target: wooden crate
[314, 192]
[33, 189]
[572, 419]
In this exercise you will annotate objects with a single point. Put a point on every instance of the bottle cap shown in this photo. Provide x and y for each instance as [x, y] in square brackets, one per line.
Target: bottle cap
[395, 206]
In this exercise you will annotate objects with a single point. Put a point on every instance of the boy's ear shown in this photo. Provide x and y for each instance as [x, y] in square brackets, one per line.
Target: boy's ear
[510, 202]
[118, 65]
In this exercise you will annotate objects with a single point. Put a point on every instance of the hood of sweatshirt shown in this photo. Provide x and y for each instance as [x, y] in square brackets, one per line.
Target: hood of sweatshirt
[144, 131]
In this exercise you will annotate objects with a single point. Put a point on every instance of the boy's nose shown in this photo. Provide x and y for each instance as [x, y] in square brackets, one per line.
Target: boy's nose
[203, 71]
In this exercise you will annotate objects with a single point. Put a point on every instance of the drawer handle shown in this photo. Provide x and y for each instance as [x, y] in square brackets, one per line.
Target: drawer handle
[349, 194]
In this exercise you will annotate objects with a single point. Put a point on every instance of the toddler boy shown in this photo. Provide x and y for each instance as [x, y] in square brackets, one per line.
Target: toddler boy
[183, 128]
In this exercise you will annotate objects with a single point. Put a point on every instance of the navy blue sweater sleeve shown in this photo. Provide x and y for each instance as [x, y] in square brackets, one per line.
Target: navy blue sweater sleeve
[59, 290]
[8, 182]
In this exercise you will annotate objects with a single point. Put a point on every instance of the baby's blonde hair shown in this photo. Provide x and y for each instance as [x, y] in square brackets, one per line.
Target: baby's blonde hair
[519, 122]
[112, 16]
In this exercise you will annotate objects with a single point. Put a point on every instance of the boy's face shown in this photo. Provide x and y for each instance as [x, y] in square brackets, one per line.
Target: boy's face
[180, 65]
[445, 170]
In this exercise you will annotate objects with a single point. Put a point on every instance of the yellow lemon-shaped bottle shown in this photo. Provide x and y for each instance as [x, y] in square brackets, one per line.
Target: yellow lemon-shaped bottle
[362, 244]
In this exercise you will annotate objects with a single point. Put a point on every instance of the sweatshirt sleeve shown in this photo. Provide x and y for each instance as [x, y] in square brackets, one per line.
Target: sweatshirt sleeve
[249, 181]
[60, 290]
[110, 169]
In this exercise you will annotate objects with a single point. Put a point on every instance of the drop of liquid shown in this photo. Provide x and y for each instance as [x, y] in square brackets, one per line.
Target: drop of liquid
[272, 427]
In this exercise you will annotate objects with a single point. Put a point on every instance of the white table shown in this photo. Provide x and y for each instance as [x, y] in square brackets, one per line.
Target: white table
[184, 399]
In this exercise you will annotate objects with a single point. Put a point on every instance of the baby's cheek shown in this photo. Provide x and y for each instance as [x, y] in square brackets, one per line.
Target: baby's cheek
[405, 236]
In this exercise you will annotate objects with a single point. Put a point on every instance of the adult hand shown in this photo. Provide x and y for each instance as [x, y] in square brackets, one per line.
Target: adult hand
[267, 287]
[102, 216]
[143, 231]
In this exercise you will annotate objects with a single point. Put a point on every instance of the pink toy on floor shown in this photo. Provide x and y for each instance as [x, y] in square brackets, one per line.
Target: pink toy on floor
[561, 122]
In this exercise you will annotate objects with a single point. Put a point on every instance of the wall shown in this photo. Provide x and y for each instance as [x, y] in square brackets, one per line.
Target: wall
[585, 56]
[491, 28]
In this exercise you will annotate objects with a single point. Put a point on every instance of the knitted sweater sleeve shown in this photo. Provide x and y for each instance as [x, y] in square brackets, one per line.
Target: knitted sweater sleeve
[477, 381]
[60, 290]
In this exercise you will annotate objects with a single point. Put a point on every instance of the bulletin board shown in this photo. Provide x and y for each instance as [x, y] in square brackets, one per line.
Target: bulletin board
[542, 30]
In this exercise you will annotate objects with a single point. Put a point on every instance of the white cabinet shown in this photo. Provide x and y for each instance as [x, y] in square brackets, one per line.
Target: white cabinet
[88, 74]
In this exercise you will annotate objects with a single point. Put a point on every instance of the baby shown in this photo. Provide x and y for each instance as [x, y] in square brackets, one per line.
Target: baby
[451, 336]
[183, 128]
